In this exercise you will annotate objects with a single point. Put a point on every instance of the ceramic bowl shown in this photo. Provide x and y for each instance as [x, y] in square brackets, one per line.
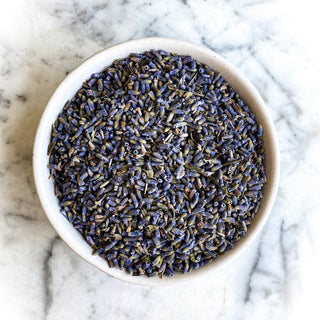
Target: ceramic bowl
[98, 62]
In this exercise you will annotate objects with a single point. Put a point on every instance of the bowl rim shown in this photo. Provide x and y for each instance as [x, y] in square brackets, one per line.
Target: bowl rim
[156, 43]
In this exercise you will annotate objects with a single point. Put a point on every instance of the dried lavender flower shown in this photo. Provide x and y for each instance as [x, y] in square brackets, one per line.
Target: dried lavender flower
[158, 163]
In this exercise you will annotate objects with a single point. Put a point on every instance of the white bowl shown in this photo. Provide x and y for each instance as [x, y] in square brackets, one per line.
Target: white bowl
[98, 62]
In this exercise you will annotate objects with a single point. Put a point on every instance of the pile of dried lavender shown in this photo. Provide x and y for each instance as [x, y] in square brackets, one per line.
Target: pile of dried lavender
[158, 163]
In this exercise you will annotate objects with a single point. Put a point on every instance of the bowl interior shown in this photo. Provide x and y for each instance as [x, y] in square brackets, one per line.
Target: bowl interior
[98, 62]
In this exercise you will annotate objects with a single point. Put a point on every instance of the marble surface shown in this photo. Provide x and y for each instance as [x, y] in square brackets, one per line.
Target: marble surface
[273, 43]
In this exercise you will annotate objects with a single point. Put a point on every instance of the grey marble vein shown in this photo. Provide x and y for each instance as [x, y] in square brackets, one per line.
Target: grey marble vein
[47, 275]
[21, 216]
[251, 273]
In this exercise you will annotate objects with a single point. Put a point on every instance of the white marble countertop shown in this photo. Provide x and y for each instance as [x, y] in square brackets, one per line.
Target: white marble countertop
[274, 44]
